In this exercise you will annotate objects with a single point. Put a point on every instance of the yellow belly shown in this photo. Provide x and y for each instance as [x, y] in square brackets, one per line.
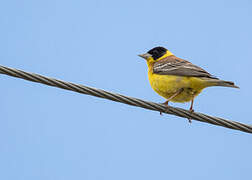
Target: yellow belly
[168, 85]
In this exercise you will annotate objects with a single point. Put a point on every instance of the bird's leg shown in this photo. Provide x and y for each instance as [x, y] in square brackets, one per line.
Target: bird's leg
[191, 107]
[191, 110]
[170, 98]
[166, 104]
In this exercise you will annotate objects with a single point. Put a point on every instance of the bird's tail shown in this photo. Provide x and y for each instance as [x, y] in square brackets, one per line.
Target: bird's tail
[217, 82]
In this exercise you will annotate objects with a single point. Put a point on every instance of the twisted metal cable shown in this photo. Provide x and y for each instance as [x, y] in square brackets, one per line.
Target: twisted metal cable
[125, 99]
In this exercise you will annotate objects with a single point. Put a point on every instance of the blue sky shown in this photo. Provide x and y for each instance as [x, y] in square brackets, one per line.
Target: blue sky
[49, 133]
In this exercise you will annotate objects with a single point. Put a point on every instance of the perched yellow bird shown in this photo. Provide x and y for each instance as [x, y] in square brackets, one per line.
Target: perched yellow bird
[176, 79]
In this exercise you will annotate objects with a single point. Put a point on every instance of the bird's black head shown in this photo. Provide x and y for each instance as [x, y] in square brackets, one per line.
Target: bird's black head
[157, 52]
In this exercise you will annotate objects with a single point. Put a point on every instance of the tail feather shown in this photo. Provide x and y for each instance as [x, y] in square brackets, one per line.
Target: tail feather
[217, 82]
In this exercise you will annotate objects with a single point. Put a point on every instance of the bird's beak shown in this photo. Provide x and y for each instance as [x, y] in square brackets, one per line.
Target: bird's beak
[145, 55]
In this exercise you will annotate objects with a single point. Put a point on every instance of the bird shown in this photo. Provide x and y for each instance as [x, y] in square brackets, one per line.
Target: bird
[176, 79]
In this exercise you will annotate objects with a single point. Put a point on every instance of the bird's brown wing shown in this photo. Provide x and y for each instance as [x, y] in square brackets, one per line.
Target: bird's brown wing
[173, 65]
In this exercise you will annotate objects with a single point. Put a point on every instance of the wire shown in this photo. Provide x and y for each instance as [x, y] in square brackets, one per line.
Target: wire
[125, 99]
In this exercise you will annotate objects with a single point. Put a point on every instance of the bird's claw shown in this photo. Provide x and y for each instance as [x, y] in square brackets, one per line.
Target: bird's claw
[166, 104]
[190, 119]
[191, 110]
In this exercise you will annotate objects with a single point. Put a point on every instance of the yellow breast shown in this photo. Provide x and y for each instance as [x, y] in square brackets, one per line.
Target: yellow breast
[167, 85]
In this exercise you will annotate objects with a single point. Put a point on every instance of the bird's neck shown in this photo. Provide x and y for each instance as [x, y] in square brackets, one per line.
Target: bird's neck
[150, 63]
[150, 67]
[168, 53]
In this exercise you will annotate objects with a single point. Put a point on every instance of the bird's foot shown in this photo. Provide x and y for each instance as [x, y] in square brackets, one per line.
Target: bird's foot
[190, 119]
[191, 110]
[166, 104]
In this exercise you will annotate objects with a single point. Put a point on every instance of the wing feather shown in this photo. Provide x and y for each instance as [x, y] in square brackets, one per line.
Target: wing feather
[173, 65]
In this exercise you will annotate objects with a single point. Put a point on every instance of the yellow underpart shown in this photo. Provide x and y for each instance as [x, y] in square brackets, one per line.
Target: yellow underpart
[168, 85]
